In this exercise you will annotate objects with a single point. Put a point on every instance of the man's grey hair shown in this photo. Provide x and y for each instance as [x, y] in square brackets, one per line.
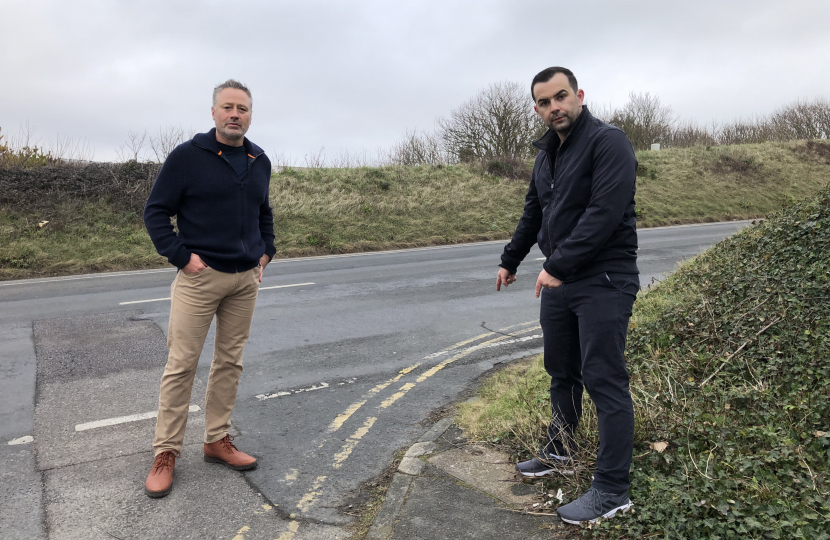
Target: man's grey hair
[231, 83]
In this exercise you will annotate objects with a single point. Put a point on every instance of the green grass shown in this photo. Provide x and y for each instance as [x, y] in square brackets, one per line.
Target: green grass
[321, 211]
[730, 365]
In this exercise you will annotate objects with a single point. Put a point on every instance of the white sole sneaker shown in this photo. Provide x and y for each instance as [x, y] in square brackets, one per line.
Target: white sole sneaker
[608, 515]
[563, 472]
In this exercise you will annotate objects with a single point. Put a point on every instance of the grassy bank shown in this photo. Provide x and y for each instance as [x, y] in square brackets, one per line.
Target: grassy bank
[730, 369]
[319, 211]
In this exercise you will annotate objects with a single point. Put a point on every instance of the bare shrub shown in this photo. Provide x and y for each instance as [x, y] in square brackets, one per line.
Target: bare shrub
[499, 121]
[644, 120]
[802, 120]
[507, 167]
[418, 149]
[37, 190]
[24, 151]
[348, 160]
[316, 161]
[166, 140]
[754, 130]
[67, 148]
[690, 134]
[133, 147]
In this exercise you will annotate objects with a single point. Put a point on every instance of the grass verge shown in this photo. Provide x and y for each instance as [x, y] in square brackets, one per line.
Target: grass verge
[322, 211]
[730, 368]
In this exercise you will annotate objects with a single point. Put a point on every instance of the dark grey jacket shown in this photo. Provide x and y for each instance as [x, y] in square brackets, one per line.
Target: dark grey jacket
[579, 207]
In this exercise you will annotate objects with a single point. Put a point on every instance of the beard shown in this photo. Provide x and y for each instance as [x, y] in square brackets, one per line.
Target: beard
[232, 135]
[568, 121]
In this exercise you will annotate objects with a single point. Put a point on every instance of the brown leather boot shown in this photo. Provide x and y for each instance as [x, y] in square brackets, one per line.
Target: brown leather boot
[223, 451]
[160, 480]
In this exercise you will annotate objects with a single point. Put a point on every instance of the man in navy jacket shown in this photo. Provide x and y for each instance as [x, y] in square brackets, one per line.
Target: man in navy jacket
[217, 186]
[579, 208]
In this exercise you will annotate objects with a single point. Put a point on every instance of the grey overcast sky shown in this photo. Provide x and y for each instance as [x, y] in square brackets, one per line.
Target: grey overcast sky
[355, 75]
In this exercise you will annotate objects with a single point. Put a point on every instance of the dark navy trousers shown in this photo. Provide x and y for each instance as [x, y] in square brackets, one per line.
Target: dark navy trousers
[584, 324]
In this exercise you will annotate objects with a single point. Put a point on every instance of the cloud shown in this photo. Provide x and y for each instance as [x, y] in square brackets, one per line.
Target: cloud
[356, 76]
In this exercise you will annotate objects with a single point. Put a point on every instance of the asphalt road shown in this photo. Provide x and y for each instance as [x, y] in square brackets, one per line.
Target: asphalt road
[348, 356]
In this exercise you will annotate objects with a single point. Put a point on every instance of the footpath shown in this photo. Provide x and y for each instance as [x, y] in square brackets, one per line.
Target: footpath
[448, 488]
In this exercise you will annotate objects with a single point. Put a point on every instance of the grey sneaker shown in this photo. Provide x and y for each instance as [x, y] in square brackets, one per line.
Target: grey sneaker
[546, 463]
[593, 505]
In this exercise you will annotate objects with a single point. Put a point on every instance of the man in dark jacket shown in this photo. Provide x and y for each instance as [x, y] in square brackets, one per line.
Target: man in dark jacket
[579, 208]
[217, 187]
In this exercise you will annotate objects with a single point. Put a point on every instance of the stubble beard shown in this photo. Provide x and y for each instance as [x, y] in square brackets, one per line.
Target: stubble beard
[232, 135]
[570, 118]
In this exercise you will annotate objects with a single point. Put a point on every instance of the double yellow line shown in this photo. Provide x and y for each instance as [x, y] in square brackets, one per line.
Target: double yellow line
[308, 500]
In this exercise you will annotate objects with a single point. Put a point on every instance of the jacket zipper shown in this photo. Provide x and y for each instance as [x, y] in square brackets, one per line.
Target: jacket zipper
[241, 241]
[552, 195]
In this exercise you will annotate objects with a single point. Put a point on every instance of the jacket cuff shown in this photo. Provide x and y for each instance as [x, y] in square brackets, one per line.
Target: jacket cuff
[509, 268]
[554, 271]
[270, 250]
[180, 259]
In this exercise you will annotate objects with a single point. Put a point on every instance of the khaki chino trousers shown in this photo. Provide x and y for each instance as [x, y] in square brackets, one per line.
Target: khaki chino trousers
[195, 300]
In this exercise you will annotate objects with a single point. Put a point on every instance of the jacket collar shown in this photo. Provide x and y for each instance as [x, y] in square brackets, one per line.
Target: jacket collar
[550, 140]
[208, 142]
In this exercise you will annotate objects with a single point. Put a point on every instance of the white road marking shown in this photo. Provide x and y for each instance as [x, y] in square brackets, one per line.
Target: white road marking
[321, 386]
[144, 301]
[86, 276]
[540, 259]
[23, 440]
[285, 286]
[485, 346]
[168, 298]
[125, 419]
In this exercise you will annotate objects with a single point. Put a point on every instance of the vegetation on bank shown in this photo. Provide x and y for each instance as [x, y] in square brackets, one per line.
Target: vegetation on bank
[730, 373]
[66, 218]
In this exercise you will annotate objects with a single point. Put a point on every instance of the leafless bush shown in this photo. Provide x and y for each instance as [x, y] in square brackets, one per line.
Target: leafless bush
[499, 121]
[602, 111]
[348, 160]
[644, 120]
[418, 149]
[166, 140]
[67, 148]
[690, 134]
[802, 120]
[316, 161]
[133, 147]
[507, 167]
[24, 151]
[753, 130]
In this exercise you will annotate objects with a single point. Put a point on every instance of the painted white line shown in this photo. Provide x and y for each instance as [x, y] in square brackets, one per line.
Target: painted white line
[540, 259]
[86, 276]
[23, 440]
[143, 301]
[168, 298]
[125, 419]
[321, 386]
[484, 346]
[285, 286]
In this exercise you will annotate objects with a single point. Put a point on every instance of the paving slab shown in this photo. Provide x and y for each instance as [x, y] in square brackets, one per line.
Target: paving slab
[440, 508]
[487, 470]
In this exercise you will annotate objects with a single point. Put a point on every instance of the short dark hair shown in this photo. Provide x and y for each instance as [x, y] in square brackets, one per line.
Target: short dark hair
[547, 74]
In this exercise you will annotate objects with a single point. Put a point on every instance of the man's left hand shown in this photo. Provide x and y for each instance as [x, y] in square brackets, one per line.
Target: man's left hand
[263, 262]
[546, 281]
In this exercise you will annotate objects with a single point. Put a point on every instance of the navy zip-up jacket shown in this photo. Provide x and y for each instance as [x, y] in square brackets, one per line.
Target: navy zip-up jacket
[225, 220]
[579, 207]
